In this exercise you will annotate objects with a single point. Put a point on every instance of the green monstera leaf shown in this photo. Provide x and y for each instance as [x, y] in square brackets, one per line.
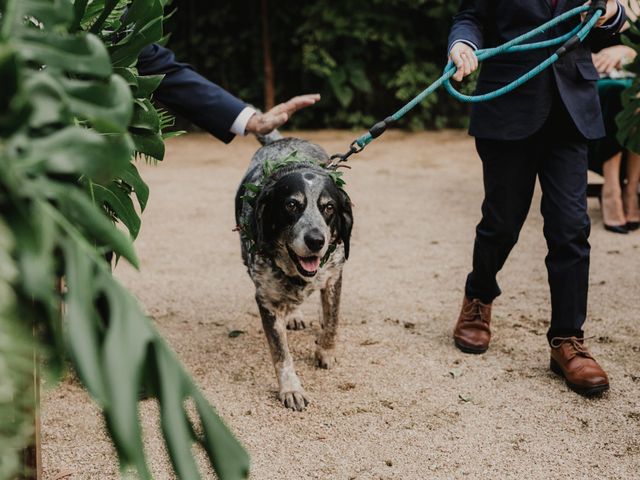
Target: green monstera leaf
[69, 134]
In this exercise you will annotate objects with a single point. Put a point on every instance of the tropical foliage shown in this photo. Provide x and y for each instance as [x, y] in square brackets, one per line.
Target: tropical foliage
[74, 113]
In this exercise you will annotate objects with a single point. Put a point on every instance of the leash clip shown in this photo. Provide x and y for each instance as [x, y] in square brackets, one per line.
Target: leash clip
[339, 158]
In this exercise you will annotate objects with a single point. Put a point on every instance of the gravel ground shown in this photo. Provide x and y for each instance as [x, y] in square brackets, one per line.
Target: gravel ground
[403, 403]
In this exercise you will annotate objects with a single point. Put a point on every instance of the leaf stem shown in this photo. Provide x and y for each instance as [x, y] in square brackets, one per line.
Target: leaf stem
[93, 195]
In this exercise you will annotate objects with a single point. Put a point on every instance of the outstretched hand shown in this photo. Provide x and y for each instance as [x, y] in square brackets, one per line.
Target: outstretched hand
[263, 123]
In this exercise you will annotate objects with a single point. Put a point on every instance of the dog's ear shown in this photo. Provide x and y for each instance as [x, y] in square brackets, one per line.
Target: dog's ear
[263, 222]
[345, 223]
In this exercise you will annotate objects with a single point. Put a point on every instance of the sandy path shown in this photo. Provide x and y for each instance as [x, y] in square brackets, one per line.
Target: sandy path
[391, 409]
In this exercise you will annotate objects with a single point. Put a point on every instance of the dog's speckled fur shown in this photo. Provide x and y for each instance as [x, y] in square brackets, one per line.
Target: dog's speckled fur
[280, 236]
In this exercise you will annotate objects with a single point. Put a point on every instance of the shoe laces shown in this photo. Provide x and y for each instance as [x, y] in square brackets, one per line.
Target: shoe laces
[474, 311]
[577, 345]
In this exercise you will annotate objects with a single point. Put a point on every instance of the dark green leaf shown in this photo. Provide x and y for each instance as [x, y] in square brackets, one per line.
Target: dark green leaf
[78, 208]
[106, 105]
[145, 117]
[132, 177]
[149, 144]
[147, 85]
[119, 202]
[144, 21]
[80, 55]
[75, 150]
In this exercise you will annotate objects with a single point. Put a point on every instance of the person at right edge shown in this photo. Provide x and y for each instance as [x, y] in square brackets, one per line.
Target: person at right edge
[539, 130]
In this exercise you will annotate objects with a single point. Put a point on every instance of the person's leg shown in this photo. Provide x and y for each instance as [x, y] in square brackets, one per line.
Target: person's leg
[509, 175]
[563, 179]
[612, 210]
[631, 206]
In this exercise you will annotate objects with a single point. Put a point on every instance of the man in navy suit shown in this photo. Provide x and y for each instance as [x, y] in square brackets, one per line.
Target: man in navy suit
[207, 105]
[540, 130]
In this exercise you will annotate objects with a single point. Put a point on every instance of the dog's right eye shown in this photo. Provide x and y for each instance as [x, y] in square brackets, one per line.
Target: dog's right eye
[291, 206]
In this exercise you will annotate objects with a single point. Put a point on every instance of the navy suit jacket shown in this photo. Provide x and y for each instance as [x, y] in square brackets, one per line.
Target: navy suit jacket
[519, 114]
[190, 95]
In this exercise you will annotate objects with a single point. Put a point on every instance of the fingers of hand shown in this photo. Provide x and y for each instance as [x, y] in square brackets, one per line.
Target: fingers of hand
[301, 101]
[465, 60]
[458, 61]
[468, 65]
[294, 104]
[474, 62]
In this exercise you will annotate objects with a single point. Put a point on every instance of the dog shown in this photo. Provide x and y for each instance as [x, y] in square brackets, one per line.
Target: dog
[295, 227]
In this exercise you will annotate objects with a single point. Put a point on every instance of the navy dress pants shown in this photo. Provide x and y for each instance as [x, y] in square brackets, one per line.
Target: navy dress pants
[557, 156]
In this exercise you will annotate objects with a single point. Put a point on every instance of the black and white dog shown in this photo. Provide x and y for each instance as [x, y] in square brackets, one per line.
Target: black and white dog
[295, 234]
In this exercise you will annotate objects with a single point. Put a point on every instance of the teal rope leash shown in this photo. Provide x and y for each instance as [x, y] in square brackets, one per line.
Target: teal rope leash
[569, 41]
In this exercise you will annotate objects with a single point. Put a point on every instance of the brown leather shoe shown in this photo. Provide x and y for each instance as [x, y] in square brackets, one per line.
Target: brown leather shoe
[571, 359]
[472, 332]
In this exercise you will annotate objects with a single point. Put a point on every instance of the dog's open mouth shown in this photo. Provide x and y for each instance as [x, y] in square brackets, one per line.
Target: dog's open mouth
[307, 266]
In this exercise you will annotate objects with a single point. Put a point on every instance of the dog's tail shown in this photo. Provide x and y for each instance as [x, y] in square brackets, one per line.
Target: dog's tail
[268, 138]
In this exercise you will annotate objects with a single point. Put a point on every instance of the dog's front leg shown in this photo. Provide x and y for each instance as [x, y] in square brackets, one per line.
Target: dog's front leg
[291, 392]
[326, 343]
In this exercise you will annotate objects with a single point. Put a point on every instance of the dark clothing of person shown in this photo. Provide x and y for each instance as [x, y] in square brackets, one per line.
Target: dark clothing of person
[556, 155]
[519, 114]
[537, 131]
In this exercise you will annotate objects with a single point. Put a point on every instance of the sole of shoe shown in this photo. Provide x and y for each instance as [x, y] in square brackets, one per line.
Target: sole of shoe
[585, 391]
[466, 349]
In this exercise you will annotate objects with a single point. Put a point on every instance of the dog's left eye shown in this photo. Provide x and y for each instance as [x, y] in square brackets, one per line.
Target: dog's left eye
[291, 206]
[328, 209]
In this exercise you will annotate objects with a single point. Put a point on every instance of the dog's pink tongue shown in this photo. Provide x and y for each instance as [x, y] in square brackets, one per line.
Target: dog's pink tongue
[310, 264]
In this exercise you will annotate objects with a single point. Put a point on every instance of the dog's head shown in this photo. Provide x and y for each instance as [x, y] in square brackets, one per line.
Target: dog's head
[299, 214]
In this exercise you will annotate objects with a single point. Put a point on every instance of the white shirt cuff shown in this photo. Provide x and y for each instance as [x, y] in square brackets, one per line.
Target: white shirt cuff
[612, 23]
[466, 42]
[239, 125]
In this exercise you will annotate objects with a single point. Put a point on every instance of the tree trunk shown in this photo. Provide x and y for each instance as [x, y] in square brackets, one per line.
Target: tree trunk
[269, 90]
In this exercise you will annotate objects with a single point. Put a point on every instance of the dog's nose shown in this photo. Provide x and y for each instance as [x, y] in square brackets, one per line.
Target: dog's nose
[314, 240]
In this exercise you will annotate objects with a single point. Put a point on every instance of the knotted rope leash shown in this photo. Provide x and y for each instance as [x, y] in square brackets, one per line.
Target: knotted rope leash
[569, 41]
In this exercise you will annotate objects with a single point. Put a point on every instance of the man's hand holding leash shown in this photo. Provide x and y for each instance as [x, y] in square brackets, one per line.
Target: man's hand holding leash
[463, 55]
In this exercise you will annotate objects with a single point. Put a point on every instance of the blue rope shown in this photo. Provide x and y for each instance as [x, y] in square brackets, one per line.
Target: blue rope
[568, 40]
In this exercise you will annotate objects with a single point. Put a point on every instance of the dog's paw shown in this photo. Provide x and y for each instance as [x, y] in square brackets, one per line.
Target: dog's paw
[325, 358]
[296, 322]
[294, 399]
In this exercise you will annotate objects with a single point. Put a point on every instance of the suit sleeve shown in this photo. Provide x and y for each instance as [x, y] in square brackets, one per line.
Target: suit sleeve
[599, 37]
[189, 94]
[468, 23]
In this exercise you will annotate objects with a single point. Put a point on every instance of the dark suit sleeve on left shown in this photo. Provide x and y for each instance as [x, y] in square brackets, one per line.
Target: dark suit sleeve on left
[189, 94]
